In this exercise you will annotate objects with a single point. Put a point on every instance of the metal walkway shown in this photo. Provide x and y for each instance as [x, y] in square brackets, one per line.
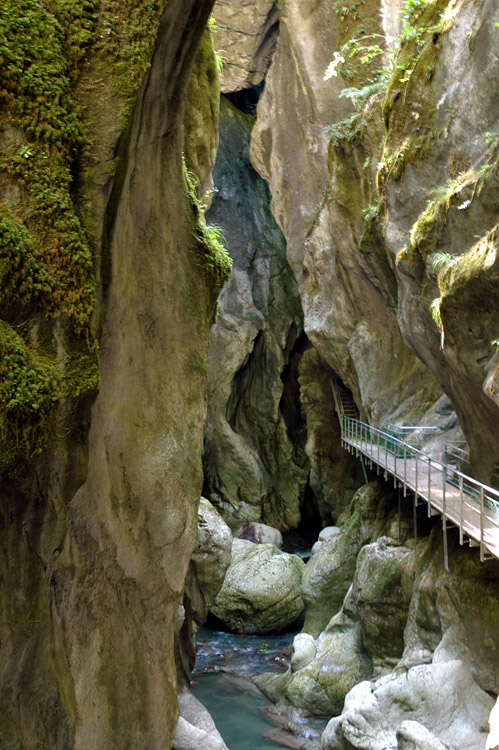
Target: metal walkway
[461, 500]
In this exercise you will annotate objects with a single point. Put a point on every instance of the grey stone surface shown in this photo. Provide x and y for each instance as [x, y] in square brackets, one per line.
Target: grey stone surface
[255, 464]
[195, 729]
[259, 533]
[329, 573]
[261, 590]
[440, 202]
[443, 698]
[212, 553]
[345, 277]
[245, 39]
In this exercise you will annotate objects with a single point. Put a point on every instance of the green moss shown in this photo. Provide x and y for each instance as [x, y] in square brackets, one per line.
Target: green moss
[471, 265]
[437, 207]
[35, 92]
[202, 109]
[411, 133]
[127, 33]
[81, 374]
[46, 266]
[29, 392]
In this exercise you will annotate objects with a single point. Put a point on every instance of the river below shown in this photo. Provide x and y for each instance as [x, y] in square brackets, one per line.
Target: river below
[225, 664]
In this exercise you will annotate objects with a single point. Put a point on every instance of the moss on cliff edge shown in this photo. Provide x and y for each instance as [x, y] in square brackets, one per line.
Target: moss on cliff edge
[46, 265]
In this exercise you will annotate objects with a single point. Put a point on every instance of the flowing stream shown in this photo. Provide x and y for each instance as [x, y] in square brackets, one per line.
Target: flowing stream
[246, 720]
[225, 664]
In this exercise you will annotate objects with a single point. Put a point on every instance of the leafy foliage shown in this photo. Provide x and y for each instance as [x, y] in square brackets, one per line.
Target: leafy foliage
[216, 257]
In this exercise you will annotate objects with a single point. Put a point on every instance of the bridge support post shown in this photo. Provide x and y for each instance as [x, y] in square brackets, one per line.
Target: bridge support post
[444, 518]
[446, 551]
[363, 468]
[415, 519]
[482, 509]
[400, 523]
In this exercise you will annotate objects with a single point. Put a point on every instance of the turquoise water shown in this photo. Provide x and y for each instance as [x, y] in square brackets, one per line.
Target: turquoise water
[221, 681]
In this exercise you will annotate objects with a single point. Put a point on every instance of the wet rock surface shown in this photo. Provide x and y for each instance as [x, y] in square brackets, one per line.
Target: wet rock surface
[224, 665]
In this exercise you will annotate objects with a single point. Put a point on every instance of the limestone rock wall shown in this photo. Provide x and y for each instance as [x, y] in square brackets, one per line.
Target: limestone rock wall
[439, 179]
[256, 468]
[97, 536]
[322, 196]
[244, 37]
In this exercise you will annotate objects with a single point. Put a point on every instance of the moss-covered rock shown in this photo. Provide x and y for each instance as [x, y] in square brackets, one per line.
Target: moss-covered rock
[98, 558]
[329, 574]
[383, 590]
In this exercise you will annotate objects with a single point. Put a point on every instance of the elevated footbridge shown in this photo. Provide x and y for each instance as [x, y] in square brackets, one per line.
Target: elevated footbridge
[461, 500]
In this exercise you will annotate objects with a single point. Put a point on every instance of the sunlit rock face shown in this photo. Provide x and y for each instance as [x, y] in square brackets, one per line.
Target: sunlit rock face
[440, 181]
[99, 550]
[325, 200]
[244, 37]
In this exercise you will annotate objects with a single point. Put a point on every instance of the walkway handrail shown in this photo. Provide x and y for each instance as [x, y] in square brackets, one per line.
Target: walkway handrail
[354, 432]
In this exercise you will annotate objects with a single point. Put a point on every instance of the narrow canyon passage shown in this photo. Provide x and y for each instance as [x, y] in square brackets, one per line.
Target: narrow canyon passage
[238, 239]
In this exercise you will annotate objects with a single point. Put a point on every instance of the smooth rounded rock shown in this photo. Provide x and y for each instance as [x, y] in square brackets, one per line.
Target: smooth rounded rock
[259, 533]
[443, 698]
[411, 735]
[304, 650]
[261, 592]
[328, 532]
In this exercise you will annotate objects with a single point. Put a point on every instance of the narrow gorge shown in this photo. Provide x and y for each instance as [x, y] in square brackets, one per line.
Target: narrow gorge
[250, 282]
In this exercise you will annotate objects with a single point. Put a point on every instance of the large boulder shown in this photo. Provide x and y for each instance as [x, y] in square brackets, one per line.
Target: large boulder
[261, 591]
[443, 698]
[319, 688]
[212, 554]
[325, 669]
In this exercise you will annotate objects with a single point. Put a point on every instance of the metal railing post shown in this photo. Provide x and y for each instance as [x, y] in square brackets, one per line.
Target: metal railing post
[482, 509]
[461, 514]
[429, 486]
[444, 518]
[405, 471]
[386, 457]
[416, 480]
